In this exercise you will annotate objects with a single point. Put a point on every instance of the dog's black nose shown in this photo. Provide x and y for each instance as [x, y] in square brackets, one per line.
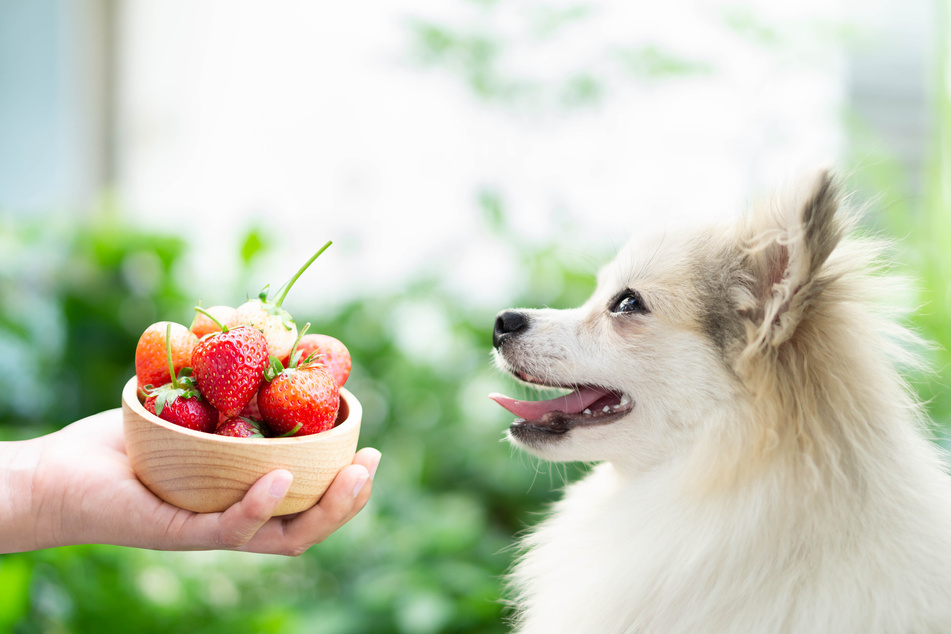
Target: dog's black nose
[508, 323]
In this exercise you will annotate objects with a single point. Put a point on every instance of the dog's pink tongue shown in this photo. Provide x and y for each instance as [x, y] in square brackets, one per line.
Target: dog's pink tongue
[533, 410]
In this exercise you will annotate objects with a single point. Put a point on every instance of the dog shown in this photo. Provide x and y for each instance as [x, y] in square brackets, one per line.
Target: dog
[761, 464]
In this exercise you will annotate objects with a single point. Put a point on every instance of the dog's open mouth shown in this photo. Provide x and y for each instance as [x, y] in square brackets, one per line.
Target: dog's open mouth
[585, 405]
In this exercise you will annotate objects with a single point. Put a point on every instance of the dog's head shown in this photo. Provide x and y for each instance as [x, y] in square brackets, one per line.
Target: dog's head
[693, 335]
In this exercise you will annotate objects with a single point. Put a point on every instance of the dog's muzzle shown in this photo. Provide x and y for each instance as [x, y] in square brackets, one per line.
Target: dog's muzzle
[508, 323]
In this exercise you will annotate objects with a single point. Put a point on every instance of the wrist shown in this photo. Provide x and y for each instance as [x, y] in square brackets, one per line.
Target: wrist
[19, 529]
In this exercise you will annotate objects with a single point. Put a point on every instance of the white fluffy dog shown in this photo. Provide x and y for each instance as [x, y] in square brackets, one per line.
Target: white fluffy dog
[763, 465]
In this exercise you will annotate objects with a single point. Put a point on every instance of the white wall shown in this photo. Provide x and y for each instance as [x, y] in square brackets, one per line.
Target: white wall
[312, 116]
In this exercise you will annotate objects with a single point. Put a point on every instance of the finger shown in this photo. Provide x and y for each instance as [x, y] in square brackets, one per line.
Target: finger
[347, 494]
[295, 535]
[334, 505]
[345, 497]
[332, 511]
[239, 523]
[369, 458]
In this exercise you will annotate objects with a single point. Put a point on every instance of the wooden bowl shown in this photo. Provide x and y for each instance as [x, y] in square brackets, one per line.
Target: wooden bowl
[208, 473]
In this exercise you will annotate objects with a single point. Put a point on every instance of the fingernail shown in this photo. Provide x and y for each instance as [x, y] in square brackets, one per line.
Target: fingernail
[359, 484]
[374, 466]
[280, 485]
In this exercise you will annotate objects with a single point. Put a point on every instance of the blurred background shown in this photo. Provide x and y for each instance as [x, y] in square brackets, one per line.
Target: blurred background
[464, 156]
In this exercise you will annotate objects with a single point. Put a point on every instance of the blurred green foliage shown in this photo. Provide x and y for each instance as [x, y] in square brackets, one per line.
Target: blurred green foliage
[427, 554]
[74, 297]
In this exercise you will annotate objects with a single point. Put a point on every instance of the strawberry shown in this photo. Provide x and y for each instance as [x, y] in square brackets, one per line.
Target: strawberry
[251, 409]
[203, 324]
[240, 427]
[328, 351]
[229, 367]
[185, 408]
[151, 366]
[270, 318]
[298, 400]
[179, 401]
[274, 322]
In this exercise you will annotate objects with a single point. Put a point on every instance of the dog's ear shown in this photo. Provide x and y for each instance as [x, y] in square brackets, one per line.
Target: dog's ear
[787, 243]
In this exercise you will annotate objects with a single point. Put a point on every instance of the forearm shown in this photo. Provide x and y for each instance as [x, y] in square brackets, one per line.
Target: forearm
[18, 515]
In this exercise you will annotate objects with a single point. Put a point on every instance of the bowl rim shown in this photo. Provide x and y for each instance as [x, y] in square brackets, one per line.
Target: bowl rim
[130, 398]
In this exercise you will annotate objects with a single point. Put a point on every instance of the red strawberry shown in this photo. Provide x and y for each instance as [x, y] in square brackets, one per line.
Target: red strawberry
[251, 409]
[240, 427]
[151, 364]
[179, 402]
[229, 367]
[185, 409]
[203, 324]
[329, 352]
[270, 318]
[299, 401]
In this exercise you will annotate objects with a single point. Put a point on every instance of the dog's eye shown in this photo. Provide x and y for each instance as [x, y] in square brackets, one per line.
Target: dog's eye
[629, 302]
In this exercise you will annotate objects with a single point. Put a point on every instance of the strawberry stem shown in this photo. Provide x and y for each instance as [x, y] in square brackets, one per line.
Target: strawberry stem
[295, 355]
[204, 312]
[290, 282]
[168, 354]
[291, 432]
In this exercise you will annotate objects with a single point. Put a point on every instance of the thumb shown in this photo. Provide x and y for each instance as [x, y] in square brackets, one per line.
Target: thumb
[238, 524]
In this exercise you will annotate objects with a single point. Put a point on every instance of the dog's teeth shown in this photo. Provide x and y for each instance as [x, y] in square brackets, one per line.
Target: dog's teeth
[625, 400]
[606, 409]
[587, 411]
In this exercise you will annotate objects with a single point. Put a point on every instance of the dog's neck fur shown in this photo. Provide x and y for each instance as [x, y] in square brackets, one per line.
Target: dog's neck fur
[693, 563]
[808, 500]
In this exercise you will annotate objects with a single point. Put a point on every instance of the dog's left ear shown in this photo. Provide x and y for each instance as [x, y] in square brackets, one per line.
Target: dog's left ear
[787, 243]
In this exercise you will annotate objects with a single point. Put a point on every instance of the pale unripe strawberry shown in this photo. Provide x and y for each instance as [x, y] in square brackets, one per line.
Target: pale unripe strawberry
[273, 321]
[205, 324]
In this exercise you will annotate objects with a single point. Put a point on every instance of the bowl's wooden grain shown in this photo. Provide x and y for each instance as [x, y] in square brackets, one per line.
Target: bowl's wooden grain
[207, 473]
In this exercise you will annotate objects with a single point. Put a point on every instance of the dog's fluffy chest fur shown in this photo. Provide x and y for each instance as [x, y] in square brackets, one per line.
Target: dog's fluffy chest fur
[622, 556]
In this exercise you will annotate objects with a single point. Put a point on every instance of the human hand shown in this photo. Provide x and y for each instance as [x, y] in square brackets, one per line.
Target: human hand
[85, 491]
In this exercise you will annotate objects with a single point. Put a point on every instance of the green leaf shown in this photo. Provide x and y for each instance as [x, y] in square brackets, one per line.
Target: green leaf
[274, 368]
[160, 401]
[286, 319]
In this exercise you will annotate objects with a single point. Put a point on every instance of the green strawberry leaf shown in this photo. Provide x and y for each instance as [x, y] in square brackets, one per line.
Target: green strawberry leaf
[256, 431]
[286, 319]
[315, 357]
[168, 394]
[274, 368]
